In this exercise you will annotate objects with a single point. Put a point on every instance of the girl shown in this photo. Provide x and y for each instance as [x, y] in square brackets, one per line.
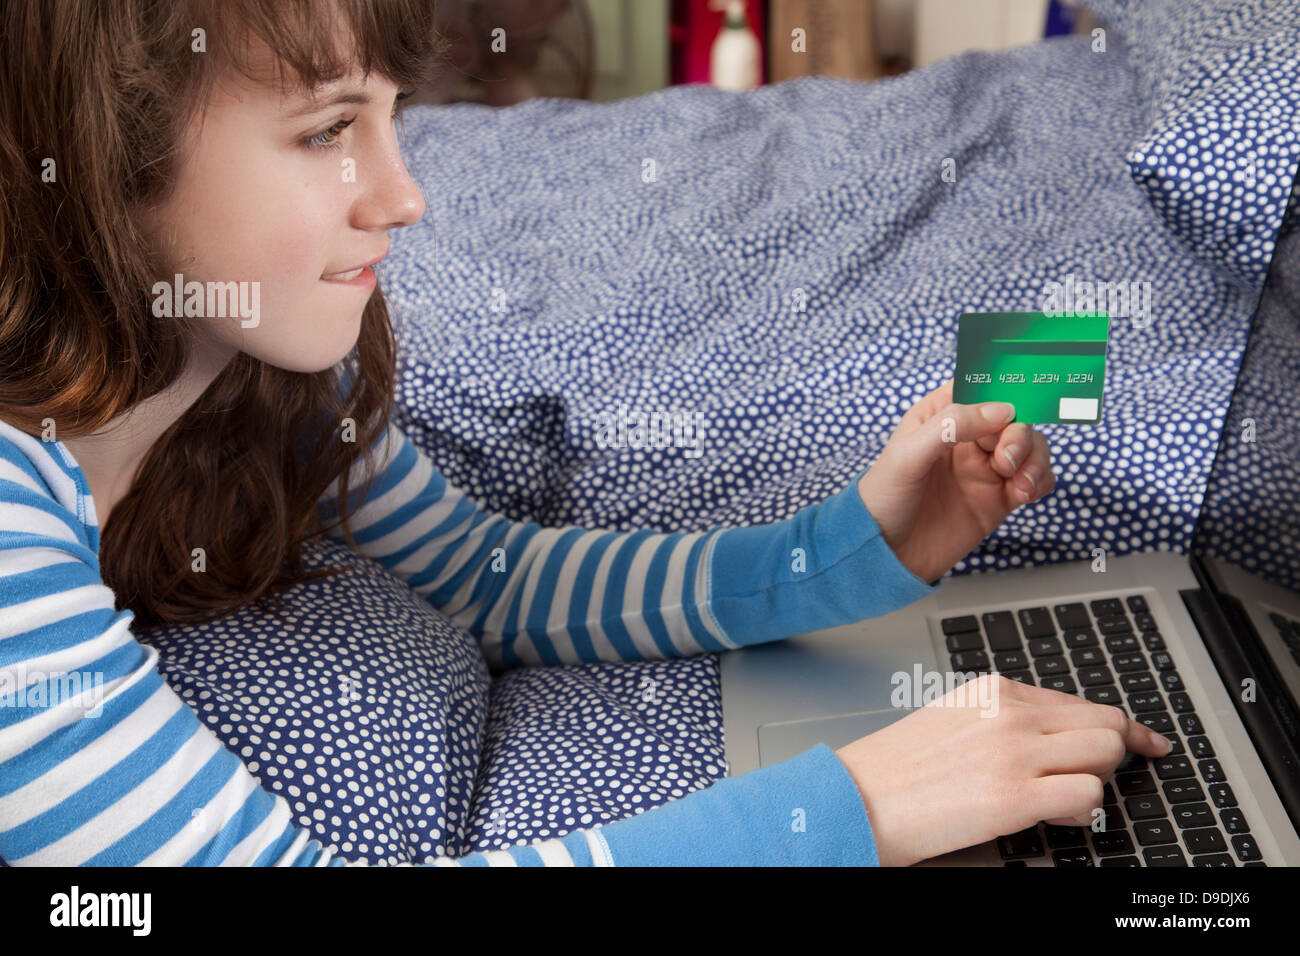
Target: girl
[245, 149]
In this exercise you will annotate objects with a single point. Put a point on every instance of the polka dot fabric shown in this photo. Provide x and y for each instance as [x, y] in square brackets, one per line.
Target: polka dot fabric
[1223, 96]
[569, 747]
[650, 253]
[355, 701]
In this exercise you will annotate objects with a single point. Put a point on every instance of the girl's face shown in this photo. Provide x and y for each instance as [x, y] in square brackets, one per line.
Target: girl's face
[282, 192]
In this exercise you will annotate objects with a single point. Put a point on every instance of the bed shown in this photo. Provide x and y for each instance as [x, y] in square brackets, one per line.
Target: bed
[789, 265]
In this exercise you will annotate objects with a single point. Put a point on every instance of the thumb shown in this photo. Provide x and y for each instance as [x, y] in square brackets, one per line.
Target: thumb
[918, 452]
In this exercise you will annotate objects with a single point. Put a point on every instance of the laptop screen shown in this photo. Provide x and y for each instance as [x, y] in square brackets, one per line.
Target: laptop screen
[1250, 516]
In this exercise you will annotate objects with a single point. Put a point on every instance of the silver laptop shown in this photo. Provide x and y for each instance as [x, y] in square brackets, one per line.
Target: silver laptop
[1192, 645]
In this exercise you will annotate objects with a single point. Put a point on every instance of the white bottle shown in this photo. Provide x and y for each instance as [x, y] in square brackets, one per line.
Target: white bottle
[733, 61]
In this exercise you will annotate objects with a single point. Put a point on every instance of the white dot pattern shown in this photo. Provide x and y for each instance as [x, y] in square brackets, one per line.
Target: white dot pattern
[562, 283]
[1222, 84]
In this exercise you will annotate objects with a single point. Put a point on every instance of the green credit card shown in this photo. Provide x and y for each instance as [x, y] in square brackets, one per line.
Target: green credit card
[1051, 367]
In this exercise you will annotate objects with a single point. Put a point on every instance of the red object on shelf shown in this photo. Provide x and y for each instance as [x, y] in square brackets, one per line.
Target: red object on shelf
[693, 28]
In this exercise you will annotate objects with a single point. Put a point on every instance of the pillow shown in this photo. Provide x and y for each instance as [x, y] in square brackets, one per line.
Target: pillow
[353, 699]
[1219, 87]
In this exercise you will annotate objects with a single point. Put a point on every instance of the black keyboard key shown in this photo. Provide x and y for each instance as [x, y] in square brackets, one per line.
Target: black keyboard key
[1132, 763]
[1134, 783]
[1191, 724]
[1183, 791]
[1173, 768]
[1108, 797]
[1051, 666]
[1121, 861]
[1000, 626]
[1112, 844]
[1104, 695]
[1023, 677]
[1177, 750]
[1095, 676]
[1010, 660]
[1145, 703]
[1161, 723]
[1161, 661]
[1122, 644]
[1137, 683]
[1153, 640]
[1212, 859]
[1170, 681]
[1106, 607]
[1123, 663]
[1164, 856]
[1144, 807]
[1119, 624]
[971, 661]
[1191, 815]
[1208, 840]
[1063, 683]
[1144, 621]
[1211, 772]
[1071, 617]
[1043, 646]
[965, 641]
[1200, 747]
[1222, 795]
[1088, 657]
[1246, 847]
[1137, 604]
[1234, 821]
[956, 625]
[1036, 622]
[1081, 638]
[1023, 845]
[1181, 703]
[1058, 837]
[1078, 856]
[1155, 832]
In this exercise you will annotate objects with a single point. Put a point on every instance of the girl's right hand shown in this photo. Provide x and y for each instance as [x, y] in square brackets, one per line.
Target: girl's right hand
[945, 777]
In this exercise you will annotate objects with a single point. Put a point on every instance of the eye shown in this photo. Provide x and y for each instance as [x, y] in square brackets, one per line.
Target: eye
[328, 138]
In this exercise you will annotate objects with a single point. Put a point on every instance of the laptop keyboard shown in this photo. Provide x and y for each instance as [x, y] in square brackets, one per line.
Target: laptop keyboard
[1290, 631]
[1158, 812]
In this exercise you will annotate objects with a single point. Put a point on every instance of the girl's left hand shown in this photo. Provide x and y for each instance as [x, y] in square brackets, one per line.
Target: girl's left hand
[944, 482]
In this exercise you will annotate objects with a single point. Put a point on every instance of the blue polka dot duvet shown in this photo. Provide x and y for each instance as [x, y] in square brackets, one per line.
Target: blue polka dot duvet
[783, 271]
[788, 266]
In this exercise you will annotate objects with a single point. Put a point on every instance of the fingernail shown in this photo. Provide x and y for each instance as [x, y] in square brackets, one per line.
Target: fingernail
[999, 411]
[1029, 473]
[1011, 451]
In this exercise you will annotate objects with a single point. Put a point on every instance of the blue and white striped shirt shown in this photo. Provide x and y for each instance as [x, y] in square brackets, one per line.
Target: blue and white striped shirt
[103, 764]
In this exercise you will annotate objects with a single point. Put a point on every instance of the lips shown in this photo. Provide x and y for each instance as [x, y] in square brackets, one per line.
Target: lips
[348, 275]
[344, 276]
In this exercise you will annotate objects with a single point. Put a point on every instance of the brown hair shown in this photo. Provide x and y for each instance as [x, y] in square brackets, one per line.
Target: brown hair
[106, 90]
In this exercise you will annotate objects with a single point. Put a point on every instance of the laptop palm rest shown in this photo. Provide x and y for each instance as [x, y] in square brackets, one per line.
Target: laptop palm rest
[788, 739]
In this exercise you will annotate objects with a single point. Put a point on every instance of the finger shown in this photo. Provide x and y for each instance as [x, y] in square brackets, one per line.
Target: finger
[918, 451]
[1074, 713]
[1011, 449]
[1094, 750]
[1035, 477]
[1071, 796]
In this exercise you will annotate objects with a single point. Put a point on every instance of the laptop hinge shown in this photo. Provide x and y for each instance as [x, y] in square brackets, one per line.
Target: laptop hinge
[1270, 717]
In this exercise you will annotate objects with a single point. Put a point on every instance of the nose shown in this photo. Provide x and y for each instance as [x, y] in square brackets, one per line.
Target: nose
[390, 197]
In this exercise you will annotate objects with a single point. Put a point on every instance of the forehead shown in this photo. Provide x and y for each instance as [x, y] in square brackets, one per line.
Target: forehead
[268, 80]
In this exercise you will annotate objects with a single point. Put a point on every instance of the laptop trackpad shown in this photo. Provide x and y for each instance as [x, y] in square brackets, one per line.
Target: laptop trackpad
[778, 742]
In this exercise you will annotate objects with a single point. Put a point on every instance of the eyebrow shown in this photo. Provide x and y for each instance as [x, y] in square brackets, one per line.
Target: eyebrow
[317, 105]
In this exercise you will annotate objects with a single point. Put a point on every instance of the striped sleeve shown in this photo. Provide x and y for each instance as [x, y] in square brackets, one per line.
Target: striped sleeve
[534, 595]
[103, 764]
